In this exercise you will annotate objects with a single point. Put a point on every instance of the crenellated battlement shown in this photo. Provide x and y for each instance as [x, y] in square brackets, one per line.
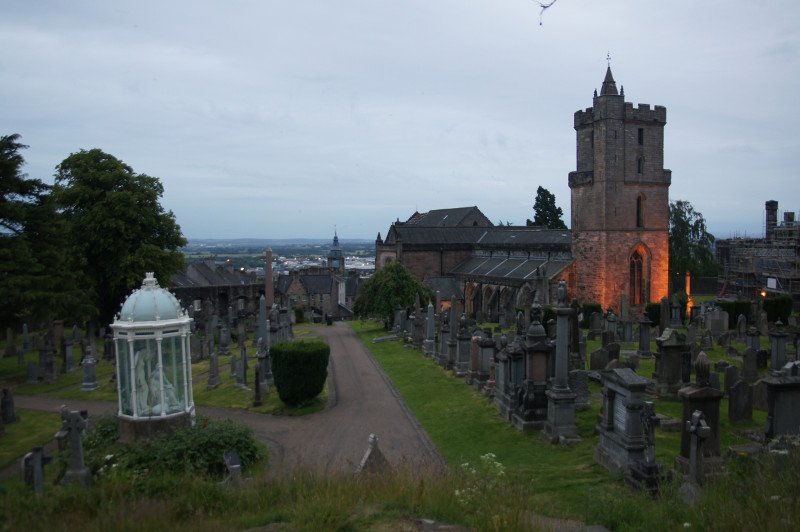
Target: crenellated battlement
[583, 118]
[644, 113]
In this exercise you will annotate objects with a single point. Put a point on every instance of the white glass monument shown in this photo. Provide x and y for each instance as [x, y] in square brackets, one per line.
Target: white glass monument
[154, 373]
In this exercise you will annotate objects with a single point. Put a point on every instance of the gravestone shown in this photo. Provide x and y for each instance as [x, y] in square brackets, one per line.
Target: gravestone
[706, 340]
[595, 325]
[627, 331]
[195, 350]
[647, 474]
[675, 320]
[750, 365]
[608, 337]
[560, 425]
[669, 371]
[531, 413]
[579, 383]
[741, 328]
[760, 396]
[783, 401]
[33, 469]
[257, 388]
[108, 347]
[713, 381]
[68, 361]
[691, 333]
[663, 315]
[701, 397]
[762, 323]
[9, 414]
[73, 424]
[644, 339]
[373, 461]
[752, 338]
[778, 348]
[621, 436]
[762, 357]
[213, 372]
[233, 464]
[463, 352]
[33, 373]
[731, 377]
[243, 366]
[26, 340]
[740, 402]
[613, 350]
[698, 433]
[224, 341]
[89, 364]
[430, 332]
[598, 360]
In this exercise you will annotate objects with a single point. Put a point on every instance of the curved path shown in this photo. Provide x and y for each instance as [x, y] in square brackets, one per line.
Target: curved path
[362, 401]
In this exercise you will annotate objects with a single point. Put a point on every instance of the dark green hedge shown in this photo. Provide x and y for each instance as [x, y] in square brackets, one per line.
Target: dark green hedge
[734, 308]
[300, 369]
[778, 307]
[653, 312]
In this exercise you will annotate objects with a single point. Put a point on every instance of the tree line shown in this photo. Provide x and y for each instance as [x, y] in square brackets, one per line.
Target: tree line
[74, 249]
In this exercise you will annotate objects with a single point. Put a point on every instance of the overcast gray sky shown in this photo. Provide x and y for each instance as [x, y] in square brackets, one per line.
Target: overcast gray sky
[284, 118]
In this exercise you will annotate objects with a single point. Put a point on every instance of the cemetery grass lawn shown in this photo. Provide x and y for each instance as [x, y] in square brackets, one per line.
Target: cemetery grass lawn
[33, 429]
[563, 482]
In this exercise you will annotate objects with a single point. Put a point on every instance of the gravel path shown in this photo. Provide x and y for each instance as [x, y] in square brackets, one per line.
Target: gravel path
[362, 401]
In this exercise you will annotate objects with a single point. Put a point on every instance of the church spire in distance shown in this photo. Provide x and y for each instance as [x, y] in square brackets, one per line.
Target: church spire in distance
[609, 87]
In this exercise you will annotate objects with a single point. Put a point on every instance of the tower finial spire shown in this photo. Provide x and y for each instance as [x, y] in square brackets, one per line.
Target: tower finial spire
[608, 59]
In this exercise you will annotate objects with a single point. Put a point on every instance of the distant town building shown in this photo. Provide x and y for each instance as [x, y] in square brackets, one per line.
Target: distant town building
[770, 264]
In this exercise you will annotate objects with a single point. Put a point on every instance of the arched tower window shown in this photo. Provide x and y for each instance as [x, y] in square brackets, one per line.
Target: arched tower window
[640, 210]
[637, 279]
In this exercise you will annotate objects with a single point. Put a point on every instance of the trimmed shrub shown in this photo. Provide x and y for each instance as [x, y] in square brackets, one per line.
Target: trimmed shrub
[653, 312]
[778, 307]
[300, 369]
[195, 450]
[734, 308]
[588, 308]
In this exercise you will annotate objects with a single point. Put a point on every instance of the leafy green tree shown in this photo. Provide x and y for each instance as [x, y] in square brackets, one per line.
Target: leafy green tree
[390, 287]
[545, 211]
[36, 275]
[117, 225]
[690, 244]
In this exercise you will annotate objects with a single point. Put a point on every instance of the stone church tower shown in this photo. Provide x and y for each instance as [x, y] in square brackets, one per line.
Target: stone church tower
[620, 202]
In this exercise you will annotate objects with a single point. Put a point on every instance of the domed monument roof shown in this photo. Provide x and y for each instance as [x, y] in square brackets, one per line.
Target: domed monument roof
[150, 303]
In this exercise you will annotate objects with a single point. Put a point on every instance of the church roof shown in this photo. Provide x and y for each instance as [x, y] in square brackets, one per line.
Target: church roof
[447, 217]
[519, 269]
[446, 286]
[609, 85]
[316, 283]
[496, 237]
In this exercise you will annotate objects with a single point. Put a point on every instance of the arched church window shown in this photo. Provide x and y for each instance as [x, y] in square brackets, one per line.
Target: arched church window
[636, 279]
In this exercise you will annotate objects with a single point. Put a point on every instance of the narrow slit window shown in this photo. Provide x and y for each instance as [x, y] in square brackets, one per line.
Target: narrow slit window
[641, 136]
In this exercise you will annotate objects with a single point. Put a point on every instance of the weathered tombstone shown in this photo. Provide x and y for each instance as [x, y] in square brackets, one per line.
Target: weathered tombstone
[762, 357]
[621, 437]
[608, 337]
[713, 380]
[233, 464]
[108, 347]
[33, 469]
[50, 376]
[26, 340]
[740, 402]
[235, 374]
[444, 339]
[646, 474]
[778, 347]
[697, 434]
[663, 315]
[741, 328]
[452, 342]
[675, 320]
[243, 365]
[750, 365]
[669, 371]
[579, 383]
[595, 325]
[224, 340]
[598, 360]
[752, 337]
[68, 362]
[89, 364]
[731, 377]
[532, 412]
[760, 396]
[373, 461]
[430, 332]
[700, 396]
[213, 371]
[691, 333]
[560, 425]
[613, 350]
[73, 423]
[257, 388]
[9, 414]
[783, 401]
[195, 349]
[763, 323]
[644, 339]
[33, 373]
